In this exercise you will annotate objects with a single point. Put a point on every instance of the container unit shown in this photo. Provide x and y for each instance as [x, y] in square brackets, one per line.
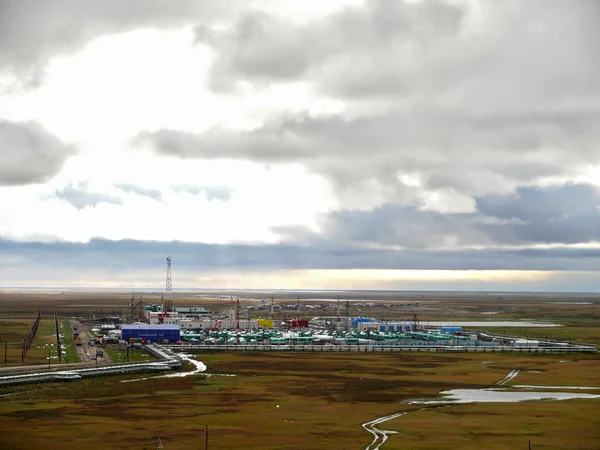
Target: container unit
[150, 332]
[399, 327]
[451, 329]
[296, 323]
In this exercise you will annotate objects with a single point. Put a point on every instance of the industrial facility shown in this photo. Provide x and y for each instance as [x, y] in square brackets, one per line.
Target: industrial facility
[221, 324]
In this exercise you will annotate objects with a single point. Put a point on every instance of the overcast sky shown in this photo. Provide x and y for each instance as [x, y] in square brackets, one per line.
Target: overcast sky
[375, 144]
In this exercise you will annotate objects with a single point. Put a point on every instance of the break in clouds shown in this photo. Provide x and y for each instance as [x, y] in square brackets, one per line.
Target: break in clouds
[458, 125]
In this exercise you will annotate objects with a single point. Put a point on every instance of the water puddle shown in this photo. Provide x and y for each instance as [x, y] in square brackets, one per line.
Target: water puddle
[528, 386]
[199, 367]
[572, 303]
[501, 396]
[507, 378]
[137, 379]
[488, 395]
[379, 436]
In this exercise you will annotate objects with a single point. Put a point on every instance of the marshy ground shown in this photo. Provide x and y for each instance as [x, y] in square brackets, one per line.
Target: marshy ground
[313, 400]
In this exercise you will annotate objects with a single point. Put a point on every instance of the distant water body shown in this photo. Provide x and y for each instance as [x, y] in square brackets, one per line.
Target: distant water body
[494, 323]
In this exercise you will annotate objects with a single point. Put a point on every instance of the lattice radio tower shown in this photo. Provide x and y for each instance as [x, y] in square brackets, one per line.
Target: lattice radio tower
[169, 287]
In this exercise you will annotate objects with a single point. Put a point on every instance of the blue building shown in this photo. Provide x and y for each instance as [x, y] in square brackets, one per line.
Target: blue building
[151, 332]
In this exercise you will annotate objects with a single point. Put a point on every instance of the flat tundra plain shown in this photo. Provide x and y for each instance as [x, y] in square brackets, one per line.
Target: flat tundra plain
[312, 400]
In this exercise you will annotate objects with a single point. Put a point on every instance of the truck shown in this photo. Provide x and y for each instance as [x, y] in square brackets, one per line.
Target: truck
[78, 341]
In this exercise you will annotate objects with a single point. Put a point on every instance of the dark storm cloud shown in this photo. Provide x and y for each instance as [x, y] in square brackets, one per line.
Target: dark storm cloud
[128, 254]
[32, 32]
[151, 193]
[29, 154]
[81, 198]
[502, 92]
[565, 214]
[262, 48]
[440, 146]
[396, 47]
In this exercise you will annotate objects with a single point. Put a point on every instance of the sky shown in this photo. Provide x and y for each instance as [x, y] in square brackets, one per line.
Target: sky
[276, 144]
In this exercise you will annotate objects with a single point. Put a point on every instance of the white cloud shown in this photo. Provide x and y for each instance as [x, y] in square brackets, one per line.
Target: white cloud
[120, 84]
[377, 123]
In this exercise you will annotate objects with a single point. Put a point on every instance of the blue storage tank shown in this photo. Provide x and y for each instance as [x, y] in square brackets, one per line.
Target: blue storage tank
[451, 329]
[152, 332]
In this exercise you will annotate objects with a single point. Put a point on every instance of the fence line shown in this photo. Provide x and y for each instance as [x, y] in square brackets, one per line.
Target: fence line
[57, 337]
[30, 337]
[374, 348]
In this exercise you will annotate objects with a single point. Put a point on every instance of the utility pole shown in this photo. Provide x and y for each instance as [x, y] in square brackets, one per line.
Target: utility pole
[206, 437]
[237, 314]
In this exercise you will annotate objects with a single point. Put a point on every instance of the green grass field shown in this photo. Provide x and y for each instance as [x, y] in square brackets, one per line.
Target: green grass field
[12, 331]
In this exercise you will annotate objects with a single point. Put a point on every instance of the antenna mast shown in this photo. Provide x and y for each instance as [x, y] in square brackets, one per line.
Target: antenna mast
[347, 313]
[169, 287]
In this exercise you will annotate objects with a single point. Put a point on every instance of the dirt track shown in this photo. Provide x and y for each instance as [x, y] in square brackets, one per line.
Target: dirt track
[86, 351]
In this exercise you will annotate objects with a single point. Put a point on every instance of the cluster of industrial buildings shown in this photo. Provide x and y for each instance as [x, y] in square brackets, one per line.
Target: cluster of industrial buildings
[198, 325]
